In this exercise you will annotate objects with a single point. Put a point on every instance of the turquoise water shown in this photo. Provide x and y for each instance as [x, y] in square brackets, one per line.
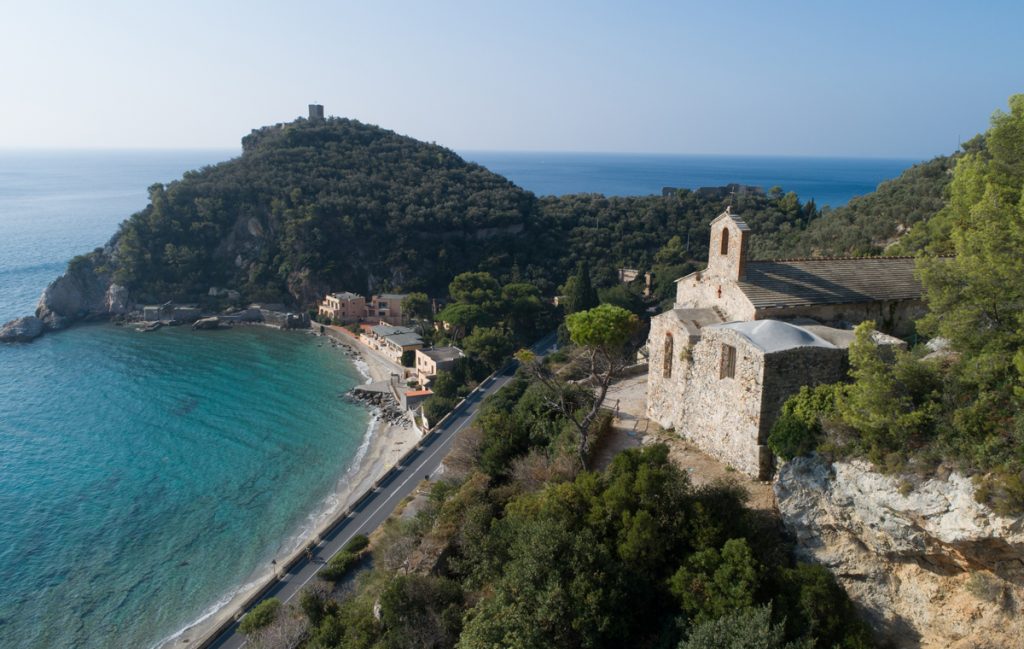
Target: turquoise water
[143, 477]
[144, 474]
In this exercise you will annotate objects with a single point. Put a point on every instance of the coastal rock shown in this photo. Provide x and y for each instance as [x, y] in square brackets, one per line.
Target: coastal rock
[21, 330]
[927, 564]
[207, 323]
[81, 293]
[116, 300]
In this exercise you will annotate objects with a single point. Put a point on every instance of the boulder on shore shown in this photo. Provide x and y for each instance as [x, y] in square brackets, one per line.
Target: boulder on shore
[21, 330]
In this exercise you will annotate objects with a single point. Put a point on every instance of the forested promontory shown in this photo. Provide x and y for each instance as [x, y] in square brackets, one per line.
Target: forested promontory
[312, 206]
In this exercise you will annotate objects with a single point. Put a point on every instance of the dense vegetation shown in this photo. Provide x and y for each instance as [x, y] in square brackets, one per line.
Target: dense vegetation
[330, 205]
[962, 404]
[517, 547]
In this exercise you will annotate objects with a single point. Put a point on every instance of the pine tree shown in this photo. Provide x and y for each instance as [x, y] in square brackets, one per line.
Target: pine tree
[579, 292]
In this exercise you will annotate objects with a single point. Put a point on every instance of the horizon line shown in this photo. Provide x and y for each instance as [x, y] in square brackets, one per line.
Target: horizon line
[469, 151]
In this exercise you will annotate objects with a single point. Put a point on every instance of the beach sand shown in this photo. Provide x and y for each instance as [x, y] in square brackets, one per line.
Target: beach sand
[384, 444]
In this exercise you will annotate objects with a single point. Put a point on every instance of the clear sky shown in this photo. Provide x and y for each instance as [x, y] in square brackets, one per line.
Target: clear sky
[858, 78]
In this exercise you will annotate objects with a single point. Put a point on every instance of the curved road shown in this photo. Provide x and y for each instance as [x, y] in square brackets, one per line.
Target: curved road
[375, 507]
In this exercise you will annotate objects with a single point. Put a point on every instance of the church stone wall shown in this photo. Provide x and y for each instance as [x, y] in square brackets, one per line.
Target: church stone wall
[730, 418]
[699, 291]
[894, 317]
[722, 416]
[730, 265]
[664, 394]
[785, 372]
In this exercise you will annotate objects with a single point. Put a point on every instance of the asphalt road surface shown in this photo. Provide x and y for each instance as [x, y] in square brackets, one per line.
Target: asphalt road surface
[374, 509]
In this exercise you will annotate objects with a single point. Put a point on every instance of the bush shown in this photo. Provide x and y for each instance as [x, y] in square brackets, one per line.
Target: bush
[356, 544]
[260, 616]
[746, 628]
[339, 565]
[798, 429]
[436, 407]
[421, 611]
[711, 583]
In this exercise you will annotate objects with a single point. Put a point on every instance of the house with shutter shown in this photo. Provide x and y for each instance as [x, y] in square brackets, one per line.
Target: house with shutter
[744, 335]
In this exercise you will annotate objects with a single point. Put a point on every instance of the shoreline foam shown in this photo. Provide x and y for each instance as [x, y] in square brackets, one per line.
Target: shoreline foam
[382, 445]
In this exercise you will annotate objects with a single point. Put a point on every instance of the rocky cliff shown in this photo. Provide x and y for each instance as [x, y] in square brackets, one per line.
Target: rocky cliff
[85, 292]
[926, 563]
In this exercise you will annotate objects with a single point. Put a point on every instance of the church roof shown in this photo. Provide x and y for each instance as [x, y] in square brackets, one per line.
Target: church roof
[775, 336]
[801, 282]
[727, 214]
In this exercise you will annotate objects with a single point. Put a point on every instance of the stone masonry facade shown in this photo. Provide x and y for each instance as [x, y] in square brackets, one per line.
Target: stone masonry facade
[723, 390]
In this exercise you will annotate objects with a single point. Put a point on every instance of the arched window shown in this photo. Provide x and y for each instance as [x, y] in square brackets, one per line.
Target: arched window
[725, 241]
[666, 369]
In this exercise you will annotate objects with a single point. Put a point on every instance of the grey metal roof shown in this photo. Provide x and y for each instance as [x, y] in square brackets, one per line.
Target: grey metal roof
[800, 282]
[391, 296]
[390, 330]
[774, 335]
[403, 340]
[443, 354]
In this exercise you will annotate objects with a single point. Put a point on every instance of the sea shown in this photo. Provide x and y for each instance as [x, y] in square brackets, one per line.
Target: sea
[147, 477]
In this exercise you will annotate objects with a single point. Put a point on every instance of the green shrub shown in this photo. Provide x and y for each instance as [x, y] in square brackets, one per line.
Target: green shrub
[339, 565]
[356, 544]
[711, 583]
[798, 429]
[260, 616]
[436, 407]
[1003, 491]
[745, 628]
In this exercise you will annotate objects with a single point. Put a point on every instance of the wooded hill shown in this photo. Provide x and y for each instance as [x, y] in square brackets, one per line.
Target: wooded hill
[313, 206]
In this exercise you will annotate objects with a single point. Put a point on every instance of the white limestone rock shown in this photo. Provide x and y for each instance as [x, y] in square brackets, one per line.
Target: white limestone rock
[928, 565]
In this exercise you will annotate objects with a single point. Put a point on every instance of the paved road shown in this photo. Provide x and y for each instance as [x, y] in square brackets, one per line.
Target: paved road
[399, 483]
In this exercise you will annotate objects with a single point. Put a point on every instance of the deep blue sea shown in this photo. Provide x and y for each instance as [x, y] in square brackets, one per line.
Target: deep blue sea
[144, 477]
[829, 181]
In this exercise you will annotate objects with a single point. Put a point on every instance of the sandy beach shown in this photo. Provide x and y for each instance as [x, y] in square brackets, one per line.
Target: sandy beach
[381, 448]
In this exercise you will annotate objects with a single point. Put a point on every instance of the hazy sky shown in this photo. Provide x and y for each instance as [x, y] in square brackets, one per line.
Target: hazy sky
[887, 79]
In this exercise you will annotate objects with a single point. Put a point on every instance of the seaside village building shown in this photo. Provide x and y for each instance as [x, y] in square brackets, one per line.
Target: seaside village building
[387, 307]
[346, 307]
[745, 335]
[431, 361]
[392, 341]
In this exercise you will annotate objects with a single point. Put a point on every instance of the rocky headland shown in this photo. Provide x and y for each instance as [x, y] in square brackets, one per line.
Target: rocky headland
[926, 563]
[85, 292]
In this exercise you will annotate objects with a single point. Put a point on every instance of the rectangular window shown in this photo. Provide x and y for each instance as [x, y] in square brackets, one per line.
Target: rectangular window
[728, 362]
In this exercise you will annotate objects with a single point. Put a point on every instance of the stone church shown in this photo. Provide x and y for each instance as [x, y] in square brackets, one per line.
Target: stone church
[745, 335]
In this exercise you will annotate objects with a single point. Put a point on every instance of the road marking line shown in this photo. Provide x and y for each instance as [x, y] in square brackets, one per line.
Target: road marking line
[394, 492]
[468, 419]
